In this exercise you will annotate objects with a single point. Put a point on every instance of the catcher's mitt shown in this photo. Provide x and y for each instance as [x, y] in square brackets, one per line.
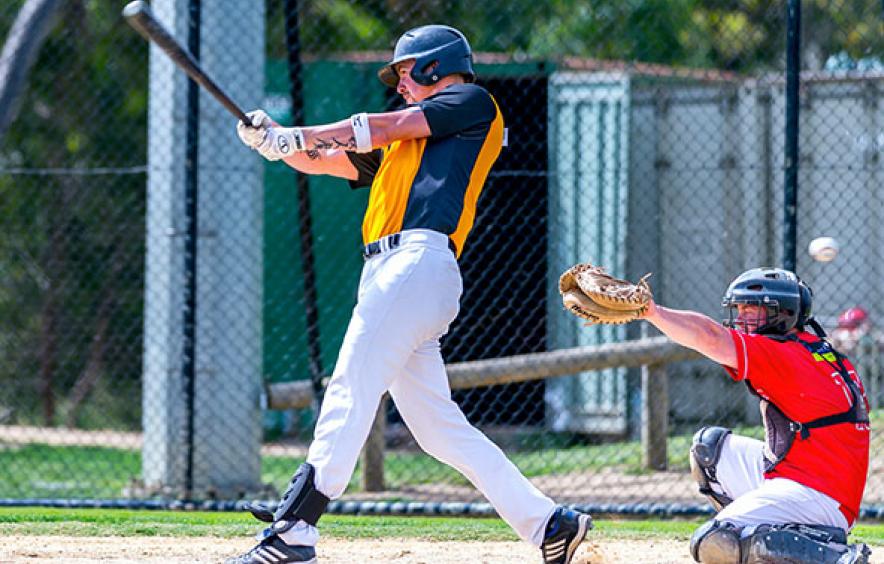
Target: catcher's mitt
[593, 294]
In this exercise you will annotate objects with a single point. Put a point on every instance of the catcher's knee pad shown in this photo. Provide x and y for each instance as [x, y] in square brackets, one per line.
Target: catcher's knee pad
[705, 453]
[301, 501]
[717, 543]
[802, 544]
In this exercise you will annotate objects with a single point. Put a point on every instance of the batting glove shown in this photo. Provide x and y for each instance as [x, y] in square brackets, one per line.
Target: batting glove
[272, 142]
[253, 134]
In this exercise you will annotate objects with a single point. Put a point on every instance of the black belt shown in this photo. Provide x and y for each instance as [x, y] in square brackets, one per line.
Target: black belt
[389, 243]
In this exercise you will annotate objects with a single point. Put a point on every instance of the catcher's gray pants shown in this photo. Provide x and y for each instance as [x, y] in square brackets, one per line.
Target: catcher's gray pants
[407, 298]
[758, 501]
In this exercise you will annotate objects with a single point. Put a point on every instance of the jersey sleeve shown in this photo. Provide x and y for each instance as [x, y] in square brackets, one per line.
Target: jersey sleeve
[739, 373]
[767, 364]
[457, 108]
[367, 165]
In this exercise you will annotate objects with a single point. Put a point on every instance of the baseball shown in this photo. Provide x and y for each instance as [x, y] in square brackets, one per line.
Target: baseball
[823, 249]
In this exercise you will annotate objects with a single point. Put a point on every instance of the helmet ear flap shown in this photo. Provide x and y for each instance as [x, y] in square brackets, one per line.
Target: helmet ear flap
[805, 304]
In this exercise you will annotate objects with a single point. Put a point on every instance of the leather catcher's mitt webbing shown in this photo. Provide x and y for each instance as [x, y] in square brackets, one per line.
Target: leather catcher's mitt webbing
[593, 294]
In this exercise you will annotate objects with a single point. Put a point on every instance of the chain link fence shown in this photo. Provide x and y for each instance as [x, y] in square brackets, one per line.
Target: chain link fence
[158, 281]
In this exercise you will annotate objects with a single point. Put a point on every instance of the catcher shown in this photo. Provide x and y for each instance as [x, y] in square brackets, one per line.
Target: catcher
[793, 497]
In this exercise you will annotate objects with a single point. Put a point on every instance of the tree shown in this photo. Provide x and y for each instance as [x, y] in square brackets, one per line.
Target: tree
[72, 245]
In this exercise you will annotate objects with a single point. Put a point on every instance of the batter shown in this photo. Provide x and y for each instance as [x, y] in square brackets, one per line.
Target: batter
[426, 166]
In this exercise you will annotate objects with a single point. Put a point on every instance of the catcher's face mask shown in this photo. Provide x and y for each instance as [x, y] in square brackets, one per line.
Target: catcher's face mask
[751, 316]
[786, 299]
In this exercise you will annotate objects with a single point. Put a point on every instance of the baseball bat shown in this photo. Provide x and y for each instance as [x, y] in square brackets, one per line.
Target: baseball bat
[140, 17]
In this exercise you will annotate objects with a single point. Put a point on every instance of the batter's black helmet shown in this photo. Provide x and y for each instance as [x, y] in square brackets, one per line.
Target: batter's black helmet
[786, 298]
[428, 44]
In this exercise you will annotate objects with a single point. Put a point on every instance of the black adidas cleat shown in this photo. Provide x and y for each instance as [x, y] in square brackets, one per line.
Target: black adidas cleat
[564, 533]
[272, 550]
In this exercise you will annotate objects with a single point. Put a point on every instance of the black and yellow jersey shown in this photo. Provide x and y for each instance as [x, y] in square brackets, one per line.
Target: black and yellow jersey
[434, 182]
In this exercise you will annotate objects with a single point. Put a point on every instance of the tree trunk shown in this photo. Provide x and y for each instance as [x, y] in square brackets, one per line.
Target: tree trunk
[97, 349]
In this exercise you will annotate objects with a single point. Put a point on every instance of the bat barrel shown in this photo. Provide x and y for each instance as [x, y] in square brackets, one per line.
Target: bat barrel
[141, 18]
[134, 8]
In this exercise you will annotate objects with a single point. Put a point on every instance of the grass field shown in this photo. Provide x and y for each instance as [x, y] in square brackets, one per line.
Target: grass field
[40, 470]
[102, 536]
[117, 522]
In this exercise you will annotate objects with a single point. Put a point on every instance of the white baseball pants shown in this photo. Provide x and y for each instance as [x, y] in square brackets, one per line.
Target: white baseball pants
[407, 298]
[758, 501]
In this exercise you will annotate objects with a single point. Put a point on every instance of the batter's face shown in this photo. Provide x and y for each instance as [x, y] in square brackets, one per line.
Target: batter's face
[407, 87]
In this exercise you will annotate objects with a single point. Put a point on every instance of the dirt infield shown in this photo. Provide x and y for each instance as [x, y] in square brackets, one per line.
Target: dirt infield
[118, 550]
[33, 549]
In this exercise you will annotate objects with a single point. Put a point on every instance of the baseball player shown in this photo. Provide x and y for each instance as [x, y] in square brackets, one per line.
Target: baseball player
[793, 497]
[426, 166]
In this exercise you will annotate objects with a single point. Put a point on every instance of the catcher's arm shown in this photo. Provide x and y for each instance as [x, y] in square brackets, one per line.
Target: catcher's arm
[695, 331]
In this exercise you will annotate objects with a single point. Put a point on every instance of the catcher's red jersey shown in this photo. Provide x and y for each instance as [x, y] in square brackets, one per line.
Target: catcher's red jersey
[833, 460]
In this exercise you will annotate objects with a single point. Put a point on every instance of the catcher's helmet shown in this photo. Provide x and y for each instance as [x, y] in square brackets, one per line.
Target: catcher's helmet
[786, 299]
[428, 44]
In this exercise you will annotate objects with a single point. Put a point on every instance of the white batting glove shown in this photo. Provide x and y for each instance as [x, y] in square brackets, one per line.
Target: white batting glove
[252, 135]
[272, 142]
[281, 142]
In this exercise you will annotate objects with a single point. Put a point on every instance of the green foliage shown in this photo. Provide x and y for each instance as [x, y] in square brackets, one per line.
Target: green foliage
[72, 250]
[740, 35]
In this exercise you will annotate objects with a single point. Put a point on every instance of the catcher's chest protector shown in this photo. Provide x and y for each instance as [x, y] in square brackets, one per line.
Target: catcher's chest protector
[780, 430]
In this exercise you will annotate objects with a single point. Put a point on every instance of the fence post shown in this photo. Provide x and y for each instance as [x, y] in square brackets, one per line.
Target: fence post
[373, 452]
[214, 350]
[655, 416]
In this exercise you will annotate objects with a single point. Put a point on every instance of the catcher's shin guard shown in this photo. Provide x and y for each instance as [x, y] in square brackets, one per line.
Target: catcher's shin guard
[802, 544]
[856, 554]
[705, 453]
[715, 542]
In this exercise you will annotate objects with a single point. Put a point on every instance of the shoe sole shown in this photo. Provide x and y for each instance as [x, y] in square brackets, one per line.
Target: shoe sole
[313, 560]
[583, 526]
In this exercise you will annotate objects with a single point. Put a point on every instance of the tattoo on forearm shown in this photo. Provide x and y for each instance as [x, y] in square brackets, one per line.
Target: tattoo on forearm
[334, 143]
[313, 154]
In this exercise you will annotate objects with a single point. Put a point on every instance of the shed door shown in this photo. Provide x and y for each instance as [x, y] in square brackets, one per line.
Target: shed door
[588, 156]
